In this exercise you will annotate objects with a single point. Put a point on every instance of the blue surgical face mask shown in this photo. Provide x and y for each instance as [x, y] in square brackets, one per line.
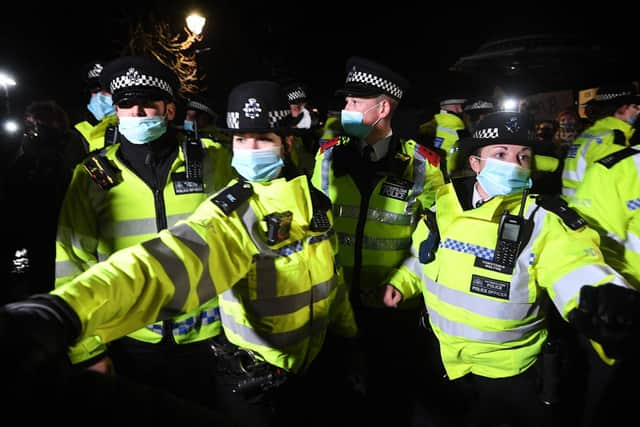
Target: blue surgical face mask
[141, 130]
[499, 178]
[353, 123]
[188, 125]
[101, 106]
[258, 165]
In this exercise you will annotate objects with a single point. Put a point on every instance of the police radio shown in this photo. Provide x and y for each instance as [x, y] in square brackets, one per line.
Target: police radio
[193, 157]
[510, 236]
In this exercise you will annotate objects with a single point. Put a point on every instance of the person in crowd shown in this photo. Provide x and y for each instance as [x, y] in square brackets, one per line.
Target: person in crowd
[201, 120]
[379, 185]
[266, 239]
[618, 106]
[99, 129]
[306, 123]
[122, 195]
[487, 291]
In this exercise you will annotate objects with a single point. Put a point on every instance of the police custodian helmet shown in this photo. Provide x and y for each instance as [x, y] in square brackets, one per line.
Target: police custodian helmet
[257, 106]
[139, 77]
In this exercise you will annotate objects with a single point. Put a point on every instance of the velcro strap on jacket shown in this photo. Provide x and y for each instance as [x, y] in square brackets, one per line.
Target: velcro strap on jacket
[560, 207]
[610, 160]
[229, 199]
[101, 171]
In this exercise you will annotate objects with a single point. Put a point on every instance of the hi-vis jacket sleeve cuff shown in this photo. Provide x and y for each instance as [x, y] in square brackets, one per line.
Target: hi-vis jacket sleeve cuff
[87, 349]
[406, 281]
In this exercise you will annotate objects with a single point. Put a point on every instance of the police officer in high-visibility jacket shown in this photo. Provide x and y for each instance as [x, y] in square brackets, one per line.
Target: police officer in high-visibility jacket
[125, 193]
[266, 238]
[100, 128]
[617, 106]
[379, 185]
[486, 260]
[609, 199]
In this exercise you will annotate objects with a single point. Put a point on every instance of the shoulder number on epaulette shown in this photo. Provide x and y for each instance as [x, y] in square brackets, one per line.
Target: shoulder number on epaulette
[229, 199]
[560, 207]
[431, 156]
[610, 160]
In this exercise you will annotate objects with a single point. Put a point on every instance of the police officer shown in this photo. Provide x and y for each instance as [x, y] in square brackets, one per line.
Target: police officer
[200, 120]
[100, 127]
[607, 198]
[266, 237]
[618, 107]
[484, 262]
[122, 195]
[379, 185]
[307, 126]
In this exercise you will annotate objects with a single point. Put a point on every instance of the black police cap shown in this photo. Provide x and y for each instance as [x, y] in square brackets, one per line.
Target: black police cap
[93, 71]
[296, 93]
[201, 103]
[257, 106]
[616, 93]
[501, 127]
[139, 77]
[367, 78]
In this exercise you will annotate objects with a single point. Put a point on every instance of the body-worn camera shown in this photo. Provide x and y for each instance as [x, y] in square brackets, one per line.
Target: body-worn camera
[278, 226]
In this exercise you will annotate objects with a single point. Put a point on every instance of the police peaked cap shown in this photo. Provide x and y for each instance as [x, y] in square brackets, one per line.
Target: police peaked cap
[296, 93]
[257, 106]
[478, 104]
[617, 94]
[501, 127]
[92, 75]
[367, 79]
[200, 103]
[139, 77]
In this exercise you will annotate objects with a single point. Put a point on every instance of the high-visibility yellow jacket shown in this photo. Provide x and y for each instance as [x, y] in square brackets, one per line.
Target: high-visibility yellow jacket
[283, 297]
[94, 223]
[609, 199]
[374, 230]
[490, 320]
[446, 138]
[591, 145]
[94, 135]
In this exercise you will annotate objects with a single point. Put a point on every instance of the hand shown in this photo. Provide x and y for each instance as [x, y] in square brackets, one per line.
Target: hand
[103, 366]
[37, 333]
[391, 296]
[609, 315]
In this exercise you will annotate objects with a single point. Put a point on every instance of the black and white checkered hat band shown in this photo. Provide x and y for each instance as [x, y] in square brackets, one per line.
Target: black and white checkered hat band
[610, 96]
[487, 133]
[296, 95]
[195, 105]
[479, 105]
[273, 117]
[134, 78]
[372, 80]
[95, 71]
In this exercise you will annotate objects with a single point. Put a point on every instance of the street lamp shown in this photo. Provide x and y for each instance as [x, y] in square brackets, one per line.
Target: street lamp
[5, 82]
[195, 24]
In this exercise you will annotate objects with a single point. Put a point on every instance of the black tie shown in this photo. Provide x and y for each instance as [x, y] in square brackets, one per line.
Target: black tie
[367, 151]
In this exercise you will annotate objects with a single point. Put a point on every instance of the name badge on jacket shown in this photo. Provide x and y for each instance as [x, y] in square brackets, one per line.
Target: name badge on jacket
[396, 188]
[183, 186]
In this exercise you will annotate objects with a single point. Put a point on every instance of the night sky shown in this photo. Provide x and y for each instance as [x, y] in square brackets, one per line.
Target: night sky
[44, 47]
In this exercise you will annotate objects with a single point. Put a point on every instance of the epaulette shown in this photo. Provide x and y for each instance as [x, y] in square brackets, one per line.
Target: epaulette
[101, 171]
[560, 207]
[229, 199]
[431, 156]
[610, 160]
[619, 138]
[328, 143]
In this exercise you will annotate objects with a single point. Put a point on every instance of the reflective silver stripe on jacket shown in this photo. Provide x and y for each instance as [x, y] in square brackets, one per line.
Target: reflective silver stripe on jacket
[568, 286]
[376, 243]
[457, 329]
[377, 215]
[135, 227]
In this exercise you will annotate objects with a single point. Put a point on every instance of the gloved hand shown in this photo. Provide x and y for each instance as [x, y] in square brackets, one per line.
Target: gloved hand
[609, 315]
[35, 335]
